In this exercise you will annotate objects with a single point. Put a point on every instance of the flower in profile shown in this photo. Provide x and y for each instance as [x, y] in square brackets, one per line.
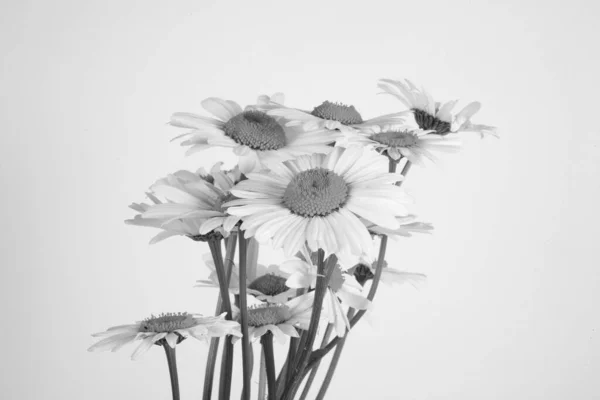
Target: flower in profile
[255, 137]
[264, 283]
[404, 141]
[280, 319]
[406, 227]
[328, 115]
[433, 116]
[169, 328]
[193, 205]
[364, 272]
[319, 200]
[342, 291]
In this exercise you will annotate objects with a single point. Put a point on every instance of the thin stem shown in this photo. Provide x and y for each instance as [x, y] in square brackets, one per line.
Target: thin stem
[226, 369]
[211, 360]
[306, 350]
[262, 377]
[244, 319]
[172, 361]
[267, 343]
[313, 371]
[215, 249]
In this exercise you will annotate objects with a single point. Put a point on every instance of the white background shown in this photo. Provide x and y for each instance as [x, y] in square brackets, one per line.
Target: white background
[510, 309]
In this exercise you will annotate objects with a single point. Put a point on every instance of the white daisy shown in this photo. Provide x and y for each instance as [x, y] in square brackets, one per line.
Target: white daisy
[431, 115]
[279, 319]
[403, 141]
[364, 271]
[193, 205]
[328, 115]
[264, 283]
[255, 137]
[406, 227]
[170, 328]
[343, 290]
[319, 200]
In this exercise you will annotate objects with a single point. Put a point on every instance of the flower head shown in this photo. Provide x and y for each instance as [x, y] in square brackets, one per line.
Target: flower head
[433, 116]
[169, 328]
[327, 115]
[256, 138]
[193, 204]
[398, 141]
[319, 200]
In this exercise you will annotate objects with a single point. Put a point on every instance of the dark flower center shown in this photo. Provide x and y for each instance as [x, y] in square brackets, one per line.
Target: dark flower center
[268, 314]
[428, 122]
[396, 139]
[269, 284]
[256, 130]
[167, 322]
[315, 192]
[347, 115]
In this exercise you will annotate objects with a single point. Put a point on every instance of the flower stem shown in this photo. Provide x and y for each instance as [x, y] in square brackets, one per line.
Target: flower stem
[333, 364]
[313, 372]
[172, 361]
[226, 369]
[262, 377]
[267, 343]
[244, 319]
[324, 273]
[213, 350]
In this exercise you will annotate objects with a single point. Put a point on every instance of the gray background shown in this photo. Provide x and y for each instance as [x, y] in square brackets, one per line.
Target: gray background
[510, 307]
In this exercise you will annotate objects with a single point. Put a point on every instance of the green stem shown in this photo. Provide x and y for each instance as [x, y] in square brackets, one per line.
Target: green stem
[313, 371]
[211, 360]
[267, 343]
[246, 366]
[226, 369]
[172, 361]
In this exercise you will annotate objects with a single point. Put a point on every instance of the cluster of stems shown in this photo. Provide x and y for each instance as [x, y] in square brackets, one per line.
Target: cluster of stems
[302, 358]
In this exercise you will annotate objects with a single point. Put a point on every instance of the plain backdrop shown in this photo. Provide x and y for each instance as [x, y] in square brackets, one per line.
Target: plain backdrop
[510, 307]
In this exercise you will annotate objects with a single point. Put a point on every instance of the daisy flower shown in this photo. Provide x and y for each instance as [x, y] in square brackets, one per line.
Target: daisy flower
[319, 200]
[403, 141]
[365, 270]
[327, 115]
[255, 137]
[264, 283]
[169, 328]
[343, 289]
[431, 115]
[406, 227]
[193, 205]
[279, 319]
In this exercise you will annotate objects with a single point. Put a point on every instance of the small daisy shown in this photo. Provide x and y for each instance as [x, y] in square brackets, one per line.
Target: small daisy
[398, 141]
[279, 319]
[169, 328]
[327, 115]
[193, 206]
[319, 200]
[255, 137]
[343, 290]
[431, 115]
[364, 271]
[264, 283]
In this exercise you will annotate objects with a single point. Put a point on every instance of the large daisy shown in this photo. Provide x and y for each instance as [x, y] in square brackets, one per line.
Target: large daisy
[327, 115]
[404, 141]
[266, 283]
[431, 115]
[193, 204]
[318, 200]
[256, 138]
[169, 328]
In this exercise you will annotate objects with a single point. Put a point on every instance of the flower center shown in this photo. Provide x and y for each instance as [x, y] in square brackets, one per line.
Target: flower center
[396, 139]
[167, 322]
[337, 279]
[269, 284]
[315, 192]
[256, 130]
[362, 273]
[342, 113]
[268, 314]
[427, 122]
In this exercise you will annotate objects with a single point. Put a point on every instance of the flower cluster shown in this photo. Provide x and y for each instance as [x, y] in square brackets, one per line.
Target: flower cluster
[321, 185]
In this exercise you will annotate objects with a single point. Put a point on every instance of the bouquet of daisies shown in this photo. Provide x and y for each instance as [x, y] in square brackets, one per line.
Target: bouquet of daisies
[324, 187]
